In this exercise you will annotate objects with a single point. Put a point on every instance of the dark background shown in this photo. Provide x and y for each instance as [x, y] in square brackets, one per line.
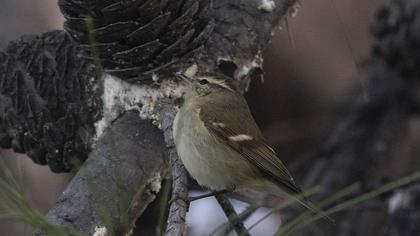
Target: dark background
[296, 106]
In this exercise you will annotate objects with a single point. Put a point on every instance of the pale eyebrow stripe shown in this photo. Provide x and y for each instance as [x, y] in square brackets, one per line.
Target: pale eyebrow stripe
[219, 82]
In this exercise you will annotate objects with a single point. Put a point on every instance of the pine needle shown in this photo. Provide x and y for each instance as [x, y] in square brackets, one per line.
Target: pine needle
[15, 206]
[305, 215]
[362, 198]
[287, 203]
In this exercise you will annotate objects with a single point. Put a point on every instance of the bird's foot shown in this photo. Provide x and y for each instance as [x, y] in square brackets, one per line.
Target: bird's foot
[185, 198]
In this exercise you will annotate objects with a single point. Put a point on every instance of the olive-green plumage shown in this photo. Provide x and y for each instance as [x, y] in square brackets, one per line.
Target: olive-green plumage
[220, 144]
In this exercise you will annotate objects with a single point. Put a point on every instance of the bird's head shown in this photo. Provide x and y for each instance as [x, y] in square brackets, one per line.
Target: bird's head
[209, 85]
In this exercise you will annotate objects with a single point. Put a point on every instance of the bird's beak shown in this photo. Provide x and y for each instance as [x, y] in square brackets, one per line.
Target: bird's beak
[183, 77]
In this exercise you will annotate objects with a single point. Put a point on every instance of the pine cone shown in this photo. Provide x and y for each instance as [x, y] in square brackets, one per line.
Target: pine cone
[47, 108]
[138, 38]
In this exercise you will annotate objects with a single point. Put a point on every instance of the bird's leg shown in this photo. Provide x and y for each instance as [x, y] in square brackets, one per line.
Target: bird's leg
[184, 196]
[211, 194]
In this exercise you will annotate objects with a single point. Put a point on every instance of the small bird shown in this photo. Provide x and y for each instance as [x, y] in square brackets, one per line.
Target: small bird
[220, 144]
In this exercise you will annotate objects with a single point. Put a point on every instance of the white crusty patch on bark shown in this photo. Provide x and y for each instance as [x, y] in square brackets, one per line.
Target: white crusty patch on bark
[100, 231]
[294, 10]
[156, 183]
[248, 66]
[267, 5]
[191, 71]
[120, 96]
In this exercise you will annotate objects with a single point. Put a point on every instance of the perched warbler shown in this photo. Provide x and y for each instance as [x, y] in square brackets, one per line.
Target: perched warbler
[220, 144]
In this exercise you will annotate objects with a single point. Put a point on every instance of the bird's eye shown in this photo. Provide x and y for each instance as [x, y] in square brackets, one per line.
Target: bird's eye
[203, 81]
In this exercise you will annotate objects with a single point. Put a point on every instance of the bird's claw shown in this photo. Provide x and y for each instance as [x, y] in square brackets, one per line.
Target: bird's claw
[181, 196]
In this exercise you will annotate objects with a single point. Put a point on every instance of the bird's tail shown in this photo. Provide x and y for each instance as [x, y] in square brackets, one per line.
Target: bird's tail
[312, 207]
[293, 191]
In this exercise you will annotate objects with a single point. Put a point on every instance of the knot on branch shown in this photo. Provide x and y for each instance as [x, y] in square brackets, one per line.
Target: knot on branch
[139, 38]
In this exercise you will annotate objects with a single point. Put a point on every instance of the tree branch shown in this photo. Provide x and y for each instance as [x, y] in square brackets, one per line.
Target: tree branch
[120, 178]
[241, 32]
[178, 209]
[232, 216]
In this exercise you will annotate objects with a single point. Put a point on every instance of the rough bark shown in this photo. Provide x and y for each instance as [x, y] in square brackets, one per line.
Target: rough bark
[117, 182]
[176, 223]
[242, 31]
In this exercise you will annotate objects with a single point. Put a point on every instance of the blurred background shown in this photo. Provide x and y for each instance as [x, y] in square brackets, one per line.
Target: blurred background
[313, 64]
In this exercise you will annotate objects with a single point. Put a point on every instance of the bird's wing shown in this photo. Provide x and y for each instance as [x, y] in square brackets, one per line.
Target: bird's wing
[243, 135]
[250, 145]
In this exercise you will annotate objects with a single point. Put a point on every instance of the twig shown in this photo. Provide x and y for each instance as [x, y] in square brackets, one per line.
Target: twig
[225, 228]
[178, 209]
[232, 216]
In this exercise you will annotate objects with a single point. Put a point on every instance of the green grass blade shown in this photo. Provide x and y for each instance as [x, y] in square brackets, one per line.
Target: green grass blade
[15, 206]
[305, 215]
[287, 203]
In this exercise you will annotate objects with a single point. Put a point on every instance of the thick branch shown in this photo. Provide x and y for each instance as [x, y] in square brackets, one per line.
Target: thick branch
[243, 30]
[127, 166]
